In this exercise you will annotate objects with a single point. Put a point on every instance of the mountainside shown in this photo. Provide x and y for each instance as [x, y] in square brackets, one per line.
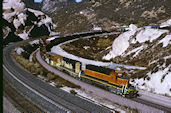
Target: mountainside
[147, 47]
[140, 46]
[70, 16]
[20, 22]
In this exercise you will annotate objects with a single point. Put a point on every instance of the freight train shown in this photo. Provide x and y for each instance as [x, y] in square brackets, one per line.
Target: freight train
[112, 80]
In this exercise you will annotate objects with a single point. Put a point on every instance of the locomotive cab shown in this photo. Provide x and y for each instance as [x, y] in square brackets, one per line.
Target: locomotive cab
[131, 91]
[127, 89]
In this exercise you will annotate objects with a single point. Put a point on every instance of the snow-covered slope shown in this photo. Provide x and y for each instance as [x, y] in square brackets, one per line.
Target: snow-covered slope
[146, 47]
[25, 21]
[166, 24]
[134, 35]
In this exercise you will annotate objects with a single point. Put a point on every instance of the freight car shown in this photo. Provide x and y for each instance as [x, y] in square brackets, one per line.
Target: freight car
[114, 81]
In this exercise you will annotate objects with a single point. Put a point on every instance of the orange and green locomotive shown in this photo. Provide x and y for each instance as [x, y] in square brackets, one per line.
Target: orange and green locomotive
[112, 80]
[115, 81]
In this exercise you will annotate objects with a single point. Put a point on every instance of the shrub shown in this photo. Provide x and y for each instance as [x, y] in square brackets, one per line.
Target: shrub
[41, 71]
[50, 76]
[12, 9]
[148, 78]
[141, 24]
[168, 61]
[73, 92]
[103, 42]
[45, 73]
[155, 69]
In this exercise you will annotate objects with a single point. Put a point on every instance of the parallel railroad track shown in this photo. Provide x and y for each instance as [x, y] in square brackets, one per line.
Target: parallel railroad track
[43, 89]
[60, 105]
[148, 103]
[22, 104]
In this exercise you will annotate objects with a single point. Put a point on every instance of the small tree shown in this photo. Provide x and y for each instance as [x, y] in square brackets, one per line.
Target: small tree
[73, 92]
[141, 24]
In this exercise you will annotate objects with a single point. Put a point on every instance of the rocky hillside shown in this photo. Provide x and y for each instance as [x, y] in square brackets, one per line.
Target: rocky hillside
[20, 23]
[146, 47]
[70, 16]
[150, 48]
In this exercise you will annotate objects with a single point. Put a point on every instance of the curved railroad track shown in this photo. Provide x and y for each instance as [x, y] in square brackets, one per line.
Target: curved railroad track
[19, 101]
[139, 103]
[44, 96]
[48, 98]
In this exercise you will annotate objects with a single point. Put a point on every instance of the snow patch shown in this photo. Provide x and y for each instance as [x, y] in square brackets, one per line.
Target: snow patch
[22, 18]
[167, 57]
[86, 47]
[54, 33]
[19, 50]
[83, 94]
[18, 15]
[52, 83]
[16, 23]
[166, 24]
[52, 38]
[17, 5]
[58, 50]
[123, 41]
[8, 16]
[132, 27]
[45, 20]
[159, 82]
[34, 42]
[166, 40]
[24, 35]
[149, 35]
[97, 28]
[136, 50]
[36, 12]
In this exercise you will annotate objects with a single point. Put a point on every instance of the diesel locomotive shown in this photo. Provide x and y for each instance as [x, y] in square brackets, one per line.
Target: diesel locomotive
[112, 80]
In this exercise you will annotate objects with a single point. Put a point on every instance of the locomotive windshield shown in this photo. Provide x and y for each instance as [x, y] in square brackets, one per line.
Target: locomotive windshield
[122, 75]
[130, 86]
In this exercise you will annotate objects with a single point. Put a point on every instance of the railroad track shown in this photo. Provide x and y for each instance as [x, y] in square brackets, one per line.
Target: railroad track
[55, 100]
[51, 92]
[51, 100]
[151, 105]
[134, 103]
[22, 104]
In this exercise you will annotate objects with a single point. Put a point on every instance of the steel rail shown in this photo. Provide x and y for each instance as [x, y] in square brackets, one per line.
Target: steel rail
[158, 106]
[59, 105]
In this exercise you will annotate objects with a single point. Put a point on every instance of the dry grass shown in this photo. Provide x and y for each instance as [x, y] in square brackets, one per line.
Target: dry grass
[104, 42]
[93, 48]
[37, 69]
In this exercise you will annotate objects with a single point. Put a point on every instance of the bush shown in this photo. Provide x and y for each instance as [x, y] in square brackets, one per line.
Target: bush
[45, 73]
[103, 42]
[141, 24]
[12, 9]
[50, 76]
[148, 78]
[168, 61]
[73, 92]
[41, 71]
